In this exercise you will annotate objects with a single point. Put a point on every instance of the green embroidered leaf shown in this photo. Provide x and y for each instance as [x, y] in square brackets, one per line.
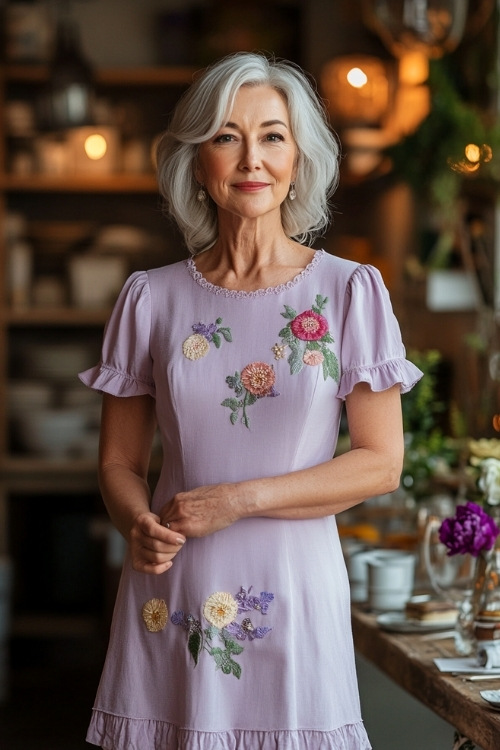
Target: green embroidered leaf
[314, 346]
[218, 321]
[211, 632]
[295, 358]
[226, 332]
[195, 643]
[330, 365]
[233, 417]
[233, 381]
[250, 398]
[286, 334]
[320, 301]
[231, 646]
[236, 669]
[216, 339]
[245, 420]
[289, 313]
[327, 338]
[232, 403]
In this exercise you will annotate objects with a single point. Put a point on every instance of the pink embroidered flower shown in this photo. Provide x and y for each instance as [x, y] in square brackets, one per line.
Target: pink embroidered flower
[313, 357]
[309, 326]
[258, 378]
[195, 346]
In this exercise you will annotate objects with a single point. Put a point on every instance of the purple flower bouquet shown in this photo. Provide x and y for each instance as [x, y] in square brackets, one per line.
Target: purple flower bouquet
[470, 531]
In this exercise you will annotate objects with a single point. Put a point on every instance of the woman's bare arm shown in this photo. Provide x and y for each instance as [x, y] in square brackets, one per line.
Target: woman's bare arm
[127, 430]
[372, 466]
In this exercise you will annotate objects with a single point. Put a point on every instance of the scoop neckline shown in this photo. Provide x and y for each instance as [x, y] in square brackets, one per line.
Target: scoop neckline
[198, 277]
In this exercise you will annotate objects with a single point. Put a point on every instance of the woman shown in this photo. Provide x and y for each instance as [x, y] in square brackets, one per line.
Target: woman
[232, 623]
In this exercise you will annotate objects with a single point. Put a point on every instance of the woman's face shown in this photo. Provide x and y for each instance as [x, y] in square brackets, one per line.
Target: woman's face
[247, 167]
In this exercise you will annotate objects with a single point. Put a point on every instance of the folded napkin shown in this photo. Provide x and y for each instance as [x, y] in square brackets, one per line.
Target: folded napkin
[488, 655]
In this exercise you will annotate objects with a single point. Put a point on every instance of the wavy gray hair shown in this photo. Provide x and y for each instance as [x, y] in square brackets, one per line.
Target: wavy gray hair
[203, 110]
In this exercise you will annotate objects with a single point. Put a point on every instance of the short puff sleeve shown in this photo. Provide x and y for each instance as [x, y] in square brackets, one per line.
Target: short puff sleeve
[372, 348]
[126, 366]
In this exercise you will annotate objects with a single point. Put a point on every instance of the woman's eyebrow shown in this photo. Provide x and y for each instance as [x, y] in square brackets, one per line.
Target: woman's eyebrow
[266, 124]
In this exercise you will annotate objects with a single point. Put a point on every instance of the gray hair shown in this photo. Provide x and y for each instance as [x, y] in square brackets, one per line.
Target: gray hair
[203, 110]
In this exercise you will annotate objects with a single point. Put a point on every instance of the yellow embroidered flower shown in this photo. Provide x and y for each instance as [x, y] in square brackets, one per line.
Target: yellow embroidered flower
[279, 351]
[258, 378]
[155, 614]
[195, 346]
[220, 609]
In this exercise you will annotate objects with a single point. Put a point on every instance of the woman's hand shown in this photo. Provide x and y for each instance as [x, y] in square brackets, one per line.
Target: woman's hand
[204, 510]
[153, 546]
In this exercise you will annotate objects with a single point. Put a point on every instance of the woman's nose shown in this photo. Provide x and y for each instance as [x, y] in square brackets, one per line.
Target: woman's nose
[250, 158]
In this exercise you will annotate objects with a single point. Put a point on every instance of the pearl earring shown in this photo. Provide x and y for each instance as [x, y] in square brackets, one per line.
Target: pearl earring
[201, 195]
[292, 193]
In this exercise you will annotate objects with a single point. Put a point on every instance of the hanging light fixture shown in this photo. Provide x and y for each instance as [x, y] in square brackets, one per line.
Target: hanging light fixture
[67, 100]
[434, 27]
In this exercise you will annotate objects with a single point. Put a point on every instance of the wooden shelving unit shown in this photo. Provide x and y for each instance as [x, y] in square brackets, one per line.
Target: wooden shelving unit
[114, 198]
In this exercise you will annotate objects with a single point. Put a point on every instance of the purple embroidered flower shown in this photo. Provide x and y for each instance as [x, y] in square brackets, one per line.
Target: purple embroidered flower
[205, 330]
[178, 618]
[247, 602]
[470, 531]
[246, 630]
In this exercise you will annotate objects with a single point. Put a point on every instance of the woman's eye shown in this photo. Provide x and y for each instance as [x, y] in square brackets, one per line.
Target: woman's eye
[224, 138]
[274, 137]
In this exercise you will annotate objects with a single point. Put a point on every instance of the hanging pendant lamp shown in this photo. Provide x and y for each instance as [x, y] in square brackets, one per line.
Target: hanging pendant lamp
[67, 101]
[434, 27]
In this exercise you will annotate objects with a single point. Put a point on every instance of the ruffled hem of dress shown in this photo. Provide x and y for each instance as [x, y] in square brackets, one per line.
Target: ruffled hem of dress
[236, 293]
[382, 376]
[112, 732]
[105, 379]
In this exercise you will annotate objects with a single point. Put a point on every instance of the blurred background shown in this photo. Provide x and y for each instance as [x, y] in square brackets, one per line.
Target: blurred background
[86, 86]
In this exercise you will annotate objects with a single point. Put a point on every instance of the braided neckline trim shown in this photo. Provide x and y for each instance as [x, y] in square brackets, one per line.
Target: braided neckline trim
[238, 294]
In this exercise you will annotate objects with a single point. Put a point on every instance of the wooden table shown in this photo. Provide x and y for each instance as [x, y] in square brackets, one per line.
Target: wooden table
[408, 660]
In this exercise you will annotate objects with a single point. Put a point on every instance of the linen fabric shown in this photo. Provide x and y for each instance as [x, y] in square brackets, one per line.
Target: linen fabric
[251, 646]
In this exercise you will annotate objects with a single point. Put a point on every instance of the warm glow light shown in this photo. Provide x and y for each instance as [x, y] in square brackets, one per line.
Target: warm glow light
[473, 152]
[95, 146]
[357, 78]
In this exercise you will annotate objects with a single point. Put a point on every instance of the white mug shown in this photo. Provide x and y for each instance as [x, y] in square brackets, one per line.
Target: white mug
[391, 575]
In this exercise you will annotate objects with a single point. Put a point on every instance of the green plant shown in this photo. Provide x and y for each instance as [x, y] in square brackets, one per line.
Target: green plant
[429, 452]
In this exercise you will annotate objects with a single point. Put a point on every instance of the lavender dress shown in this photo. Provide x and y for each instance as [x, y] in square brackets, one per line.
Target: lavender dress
[245, 644]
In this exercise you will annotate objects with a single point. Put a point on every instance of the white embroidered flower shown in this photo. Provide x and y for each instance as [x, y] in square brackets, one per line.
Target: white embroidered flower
[195, 346]
[155, 614]
[220, 609]
[489, 482]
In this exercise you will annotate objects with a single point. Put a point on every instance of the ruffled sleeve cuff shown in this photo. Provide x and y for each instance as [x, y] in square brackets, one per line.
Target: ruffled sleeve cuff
[126, 366]
[105, 379]
[381, 376]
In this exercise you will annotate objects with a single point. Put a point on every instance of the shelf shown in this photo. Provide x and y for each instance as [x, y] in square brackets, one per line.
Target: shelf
[39, 475]
[54, 316]
[113, 183]
[145, 76]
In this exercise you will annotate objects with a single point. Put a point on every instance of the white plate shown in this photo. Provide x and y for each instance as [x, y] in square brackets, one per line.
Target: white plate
[492, 697]
[396, 622]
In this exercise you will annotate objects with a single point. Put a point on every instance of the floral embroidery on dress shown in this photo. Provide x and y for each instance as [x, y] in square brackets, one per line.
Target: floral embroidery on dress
[307, 335]
[197, 345]
[155, 615]
[220, 610]
[255, 381]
